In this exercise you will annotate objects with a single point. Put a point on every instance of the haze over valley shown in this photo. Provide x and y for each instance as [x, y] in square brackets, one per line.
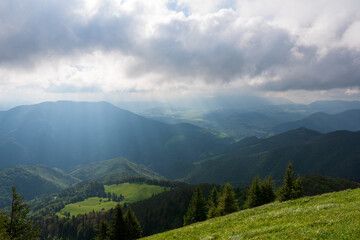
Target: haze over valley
[133, 118]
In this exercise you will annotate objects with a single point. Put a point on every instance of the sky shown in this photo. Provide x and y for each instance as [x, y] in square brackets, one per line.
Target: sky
[140, 50]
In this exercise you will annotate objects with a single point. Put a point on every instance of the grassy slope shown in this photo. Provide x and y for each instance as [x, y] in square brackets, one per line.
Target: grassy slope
[131, 191]
[328, 216]
[135, 191]
[88, 205]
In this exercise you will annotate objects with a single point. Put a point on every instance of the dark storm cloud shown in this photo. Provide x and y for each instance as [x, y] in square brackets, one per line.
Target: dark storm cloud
[216, 49]
[36, 29]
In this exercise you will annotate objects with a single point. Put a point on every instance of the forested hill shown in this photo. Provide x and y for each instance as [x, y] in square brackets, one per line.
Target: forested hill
[334, 154]
[65, 134]
[112, 169]
[32, 181]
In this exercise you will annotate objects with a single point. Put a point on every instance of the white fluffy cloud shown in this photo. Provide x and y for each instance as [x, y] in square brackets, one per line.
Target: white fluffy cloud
[89, 46]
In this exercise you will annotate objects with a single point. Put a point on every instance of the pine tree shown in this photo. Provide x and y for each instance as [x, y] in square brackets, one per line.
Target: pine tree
[227, 202]
[291, 188]
[267, 191]
[254, 195]
[103, 231]
[133, 229]
[4, 222]
[214, 197]
[212, 204]
[118, 224]
[18, 226]
[197, 208]
[298, 190]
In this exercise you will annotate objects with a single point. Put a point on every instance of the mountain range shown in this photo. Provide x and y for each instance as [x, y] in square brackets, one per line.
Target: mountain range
[76, 136]
[324, 123]
[335, 154]
[66, 134]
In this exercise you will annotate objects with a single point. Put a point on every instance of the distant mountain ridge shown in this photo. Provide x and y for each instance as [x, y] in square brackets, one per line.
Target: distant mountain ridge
[324, 123]
[66, 134]
[335, 154]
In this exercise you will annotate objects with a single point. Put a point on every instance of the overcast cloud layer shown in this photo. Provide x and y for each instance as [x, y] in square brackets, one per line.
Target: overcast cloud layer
[155, 47]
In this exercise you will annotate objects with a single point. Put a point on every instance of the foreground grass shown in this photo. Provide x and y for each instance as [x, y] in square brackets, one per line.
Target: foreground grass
[132, 192]
[328, 216]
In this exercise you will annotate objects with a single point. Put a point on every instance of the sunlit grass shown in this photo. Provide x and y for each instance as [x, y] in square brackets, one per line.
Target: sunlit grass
[135, 191]
[329, 216]
[132, 192]
[88, 205]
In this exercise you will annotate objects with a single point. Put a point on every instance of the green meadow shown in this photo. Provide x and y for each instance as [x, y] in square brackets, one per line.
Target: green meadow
[88, 205]
[328, 216]
[132, 192]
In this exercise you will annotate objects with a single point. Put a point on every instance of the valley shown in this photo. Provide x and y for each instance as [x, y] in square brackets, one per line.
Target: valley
[85, 158]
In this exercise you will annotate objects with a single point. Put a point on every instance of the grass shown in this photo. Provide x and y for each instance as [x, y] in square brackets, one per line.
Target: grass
[132, 192]
[328, 216]
[88, 205]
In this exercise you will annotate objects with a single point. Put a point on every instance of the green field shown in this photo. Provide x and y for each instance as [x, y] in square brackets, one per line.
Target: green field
[134, 192]
[86, 206]
[328, 216]
[131, 191]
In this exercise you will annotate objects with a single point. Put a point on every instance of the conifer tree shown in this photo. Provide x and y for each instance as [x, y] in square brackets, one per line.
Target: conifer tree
[103, 231]
[212, 204]
[118, 224]
[298, 190]
[197, 208]
[291, 188]
[267, 191]
[254, 195]
[4, 222]
[18, 226]
[133, 229]
[227, 202]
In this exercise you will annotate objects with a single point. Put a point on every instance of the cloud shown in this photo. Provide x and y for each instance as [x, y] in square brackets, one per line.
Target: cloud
[144, 46]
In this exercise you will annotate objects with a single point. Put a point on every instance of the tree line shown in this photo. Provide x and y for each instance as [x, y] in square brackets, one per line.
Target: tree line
[260, 192]
[122, 227]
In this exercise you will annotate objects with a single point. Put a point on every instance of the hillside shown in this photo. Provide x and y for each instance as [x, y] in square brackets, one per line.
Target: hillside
[334, 154]
[112, 168]
[328, 216]
[32, 181]
[66, 134]
[324, 123]
[316, 184]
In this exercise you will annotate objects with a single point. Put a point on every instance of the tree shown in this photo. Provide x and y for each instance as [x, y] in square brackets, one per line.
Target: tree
[197, 208]
[118, 224]
[103, 231]
[291, 189]
[212, 204]
[267, 191]
[298, 190]
[254, 195]
[227, 202]
[4, 222]
[17, 225]
[133, 228]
